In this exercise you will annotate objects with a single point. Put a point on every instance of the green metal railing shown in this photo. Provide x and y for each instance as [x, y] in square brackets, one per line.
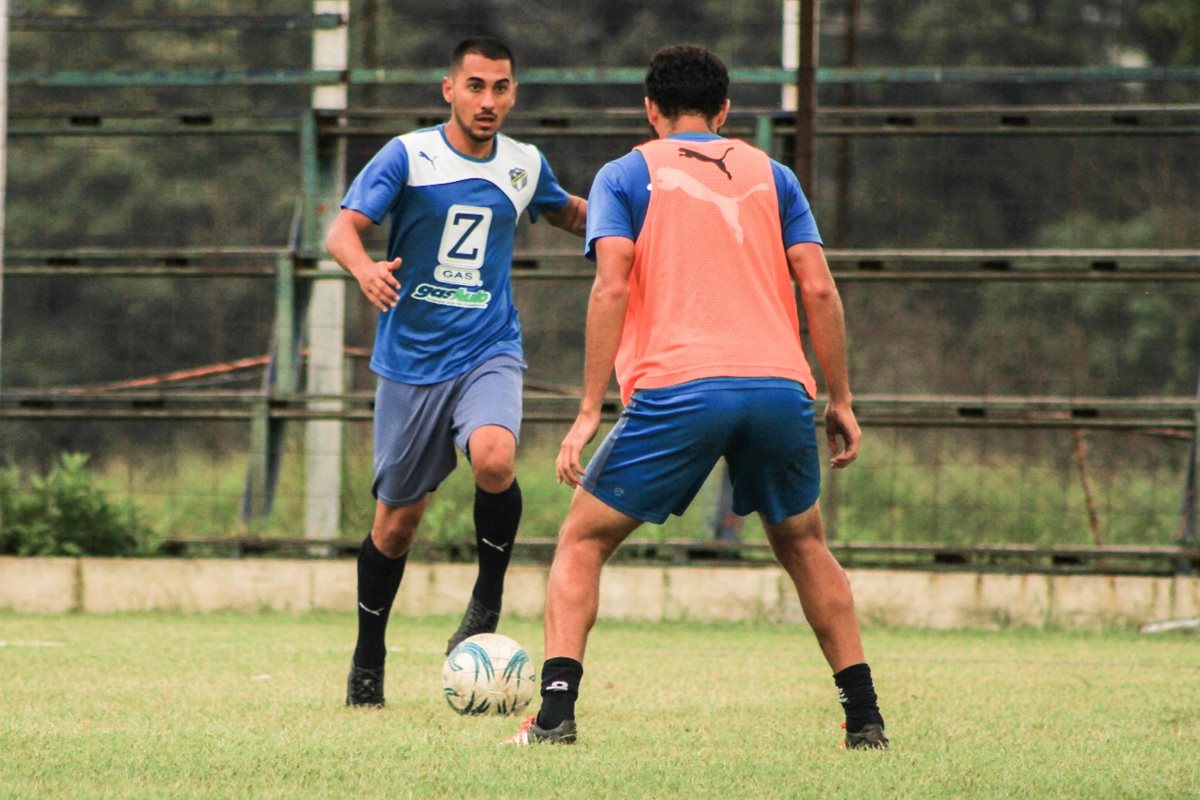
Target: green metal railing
[612, 76]
[192, 23]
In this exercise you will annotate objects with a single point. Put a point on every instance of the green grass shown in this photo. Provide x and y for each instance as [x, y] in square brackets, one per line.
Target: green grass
[250, 706]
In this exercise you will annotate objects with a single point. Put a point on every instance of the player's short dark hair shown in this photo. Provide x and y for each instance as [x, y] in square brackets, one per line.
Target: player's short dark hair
[485, 46]
[687, 79]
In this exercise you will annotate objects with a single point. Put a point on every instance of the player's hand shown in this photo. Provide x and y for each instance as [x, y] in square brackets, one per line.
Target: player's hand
[842, 433]
[568, 467]
[379, 285]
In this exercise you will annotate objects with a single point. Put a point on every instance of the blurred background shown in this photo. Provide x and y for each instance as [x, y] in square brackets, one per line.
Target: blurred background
[1006, 189]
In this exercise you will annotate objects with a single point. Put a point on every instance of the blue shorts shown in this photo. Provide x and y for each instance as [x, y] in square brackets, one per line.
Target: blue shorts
[417, 427]
[667, 441]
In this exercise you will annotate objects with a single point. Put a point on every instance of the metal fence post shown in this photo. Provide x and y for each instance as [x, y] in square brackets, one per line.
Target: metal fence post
[3, 159]
[326, 318]
[1189, 506]
[805, 160]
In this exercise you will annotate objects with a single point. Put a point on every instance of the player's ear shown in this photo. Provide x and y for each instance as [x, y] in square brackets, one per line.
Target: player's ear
[719, 120]
[447, 86]
[659, 121]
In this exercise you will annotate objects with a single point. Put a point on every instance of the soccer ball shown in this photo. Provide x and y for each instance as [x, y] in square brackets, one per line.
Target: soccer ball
[488, 673]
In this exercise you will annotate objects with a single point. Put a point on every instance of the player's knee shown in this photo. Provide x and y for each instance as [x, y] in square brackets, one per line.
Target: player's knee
[394, 535]
[493, 472]
[804, 529]
[582, 542]
[813, 535]
[393, 542]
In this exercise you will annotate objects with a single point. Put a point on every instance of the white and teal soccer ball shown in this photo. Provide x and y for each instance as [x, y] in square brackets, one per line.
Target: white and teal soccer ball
[488, 673]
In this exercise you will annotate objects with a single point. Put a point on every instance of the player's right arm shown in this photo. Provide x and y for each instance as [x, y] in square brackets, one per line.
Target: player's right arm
[605, 320]
[609, 240]
[375, 278]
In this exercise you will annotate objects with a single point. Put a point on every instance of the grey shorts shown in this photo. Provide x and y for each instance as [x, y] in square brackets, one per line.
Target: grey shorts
[417, 428]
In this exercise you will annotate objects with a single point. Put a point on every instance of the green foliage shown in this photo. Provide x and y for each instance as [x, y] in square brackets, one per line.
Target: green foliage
[65, 513]
[961, 502]
[1171, 29]
[450, 518]
[937, 488]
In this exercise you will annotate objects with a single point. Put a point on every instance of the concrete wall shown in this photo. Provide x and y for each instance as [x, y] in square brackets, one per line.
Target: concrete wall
[647, 593]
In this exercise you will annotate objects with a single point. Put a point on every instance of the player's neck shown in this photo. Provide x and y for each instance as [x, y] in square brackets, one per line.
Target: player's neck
[465, 145]
[684, 123]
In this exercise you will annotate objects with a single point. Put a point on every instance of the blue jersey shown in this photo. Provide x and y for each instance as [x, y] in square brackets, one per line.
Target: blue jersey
[621, 193]
[452, 220]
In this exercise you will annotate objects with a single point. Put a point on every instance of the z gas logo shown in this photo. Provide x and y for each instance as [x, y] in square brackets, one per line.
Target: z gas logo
[462, 298]
[459, 276]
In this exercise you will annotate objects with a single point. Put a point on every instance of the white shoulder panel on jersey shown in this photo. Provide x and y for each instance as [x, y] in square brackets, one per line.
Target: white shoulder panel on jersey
[515, 170]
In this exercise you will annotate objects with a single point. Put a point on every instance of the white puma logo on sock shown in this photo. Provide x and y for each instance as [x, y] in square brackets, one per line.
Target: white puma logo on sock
[558, 686]
[669, 178]
[493, 545]
[371, 611]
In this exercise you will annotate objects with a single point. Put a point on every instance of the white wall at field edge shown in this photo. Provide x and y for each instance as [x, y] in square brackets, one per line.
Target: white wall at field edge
[635, 593]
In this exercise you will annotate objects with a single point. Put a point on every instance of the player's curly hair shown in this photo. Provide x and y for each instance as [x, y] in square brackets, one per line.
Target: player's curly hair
[687, 79]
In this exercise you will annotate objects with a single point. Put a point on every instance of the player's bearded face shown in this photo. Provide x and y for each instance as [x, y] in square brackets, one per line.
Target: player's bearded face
[480, 93]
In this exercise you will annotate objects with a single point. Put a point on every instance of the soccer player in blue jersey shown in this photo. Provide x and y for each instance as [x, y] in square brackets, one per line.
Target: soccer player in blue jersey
[448, 344]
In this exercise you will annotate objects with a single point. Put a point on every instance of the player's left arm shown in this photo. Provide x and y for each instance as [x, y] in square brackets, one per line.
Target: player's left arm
[572, 217]
[562, 210]
[827, 330]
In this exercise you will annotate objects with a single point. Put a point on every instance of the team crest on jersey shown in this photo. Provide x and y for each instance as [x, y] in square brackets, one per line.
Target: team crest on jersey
[519, 177]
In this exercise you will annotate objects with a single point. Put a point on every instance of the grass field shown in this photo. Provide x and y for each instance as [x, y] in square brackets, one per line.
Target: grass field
[251, 706]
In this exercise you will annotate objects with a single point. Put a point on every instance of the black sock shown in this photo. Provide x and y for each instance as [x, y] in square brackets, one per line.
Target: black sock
[496, 520]
[856, 692]
[378, 580]
[560, 689]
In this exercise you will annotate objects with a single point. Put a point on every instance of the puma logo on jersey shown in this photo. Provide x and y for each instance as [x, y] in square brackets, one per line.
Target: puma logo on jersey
[720, 162]
[431, 159]
[670, 179]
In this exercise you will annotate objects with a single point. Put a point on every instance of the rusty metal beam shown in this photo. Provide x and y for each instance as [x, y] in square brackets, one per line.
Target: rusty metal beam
[848, 264]
[921, 411]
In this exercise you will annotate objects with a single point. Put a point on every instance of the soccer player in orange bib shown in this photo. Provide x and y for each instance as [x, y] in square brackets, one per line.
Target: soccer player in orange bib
[697, 239]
